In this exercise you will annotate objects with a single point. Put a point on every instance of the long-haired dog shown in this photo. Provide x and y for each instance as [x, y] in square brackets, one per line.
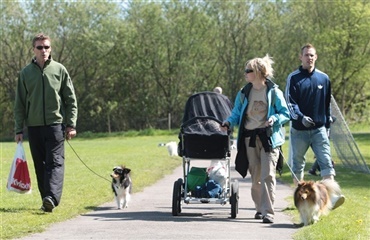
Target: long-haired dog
[314, 199]
[121, 186]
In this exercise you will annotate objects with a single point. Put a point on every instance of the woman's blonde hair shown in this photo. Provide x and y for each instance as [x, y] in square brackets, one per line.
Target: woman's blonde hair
[262, 67]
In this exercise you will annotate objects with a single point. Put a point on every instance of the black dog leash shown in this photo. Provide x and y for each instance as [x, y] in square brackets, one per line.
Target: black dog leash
[86, 165]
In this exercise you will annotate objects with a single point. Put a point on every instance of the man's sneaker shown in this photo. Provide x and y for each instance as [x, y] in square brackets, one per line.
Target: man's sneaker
[258, 215]
[339, 202]
[268, 219]
[312, 172]
[48, 204]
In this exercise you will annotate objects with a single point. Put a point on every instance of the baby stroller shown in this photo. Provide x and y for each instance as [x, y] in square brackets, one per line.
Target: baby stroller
[201, 138]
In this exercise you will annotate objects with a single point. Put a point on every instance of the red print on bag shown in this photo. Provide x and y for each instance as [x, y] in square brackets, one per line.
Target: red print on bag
[21, 179]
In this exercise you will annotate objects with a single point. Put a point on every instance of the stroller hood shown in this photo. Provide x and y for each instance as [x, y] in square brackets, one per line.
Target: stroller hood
[201, 134]
[207, 105]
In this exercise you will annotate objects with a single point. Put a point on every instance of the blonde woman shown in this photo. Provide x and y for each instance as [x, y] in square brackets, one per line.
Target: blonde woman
[259, 110]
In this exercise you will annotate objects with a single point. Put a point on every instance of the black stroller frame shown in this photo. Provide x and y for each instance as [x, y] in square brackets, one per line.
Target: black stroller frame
[201, 138]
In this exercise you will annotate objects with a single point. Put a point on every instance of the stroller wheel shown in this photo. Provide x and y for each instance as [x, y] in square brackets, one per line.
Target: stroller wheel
[234, 198]
[176, 197]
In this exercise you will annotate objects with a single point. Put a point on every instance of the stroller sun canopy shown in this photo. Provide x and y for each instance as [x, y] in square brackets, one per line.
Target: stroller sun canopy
[201, 134]
[207, 104]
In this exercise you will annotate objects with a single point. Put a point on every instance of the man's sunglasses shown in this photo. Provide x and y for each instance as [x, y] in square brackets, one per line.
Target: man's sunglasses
[42, 47]
[248, 70]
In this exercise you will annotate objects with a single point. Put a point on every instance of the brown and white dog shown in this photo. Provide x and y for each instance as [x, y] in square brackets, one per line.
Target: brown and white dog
[121, 186]
[314, 199]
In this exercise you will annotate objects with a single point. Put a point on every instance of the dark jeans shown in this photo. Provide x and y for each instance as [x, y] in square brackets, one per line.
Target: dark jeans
[47, 149]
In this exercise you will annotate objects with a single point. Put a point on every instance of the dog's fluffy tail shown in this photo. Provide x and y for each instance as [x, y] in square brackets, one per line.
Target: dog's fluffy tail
[333, 189]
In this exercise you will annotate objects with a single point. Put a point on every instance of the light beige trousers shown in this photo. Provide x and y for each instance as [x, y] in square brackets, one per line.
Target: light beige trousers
[262, 167]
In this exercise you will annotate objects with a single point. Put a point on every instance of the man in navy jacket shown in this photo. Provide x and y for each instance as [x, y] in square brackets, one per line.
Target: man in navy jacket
[308, 93]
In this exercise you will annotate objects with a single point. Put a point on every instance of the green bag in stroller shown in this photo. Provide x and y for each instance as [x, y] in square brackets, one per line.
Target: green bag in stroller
[196, 177]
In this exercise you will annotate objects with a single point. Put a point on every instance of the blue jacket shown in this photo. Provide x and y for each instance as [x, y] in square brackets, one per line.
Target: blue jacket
[308, 94]
[278, 111]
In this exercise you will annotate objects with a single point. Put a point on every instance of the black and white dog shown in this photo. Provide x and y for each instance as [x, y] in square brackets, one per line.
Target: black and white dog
[121, 186]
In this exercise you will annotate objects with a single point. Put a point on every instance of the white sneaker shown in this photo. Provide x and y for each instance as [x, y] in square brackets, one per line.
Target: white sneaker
[339, 202]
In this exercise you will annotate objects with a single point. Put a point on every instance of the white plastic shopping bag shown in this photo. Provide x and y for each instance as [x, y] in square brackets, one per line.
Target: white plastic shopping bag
[19, 178]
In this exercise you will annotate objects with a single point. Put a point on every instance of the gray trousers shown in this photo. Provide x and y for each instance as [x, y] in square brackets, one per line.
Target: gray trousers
[47, 150]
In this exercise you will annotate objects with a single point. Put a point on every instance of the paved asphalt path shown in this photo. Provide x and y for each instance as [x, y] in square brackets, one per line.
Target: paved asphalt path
[149, 217]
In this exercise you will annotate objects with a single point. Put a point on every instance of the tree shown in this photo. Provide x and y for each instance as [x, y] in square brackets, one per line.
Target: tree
[339, 30]
[136, 62]
[167, 58]
[15, 54]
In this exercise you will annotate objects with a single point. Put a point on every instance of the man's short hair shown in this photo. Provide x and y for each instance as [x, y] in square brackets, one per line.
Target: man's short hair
[40, 37]
[307, 45]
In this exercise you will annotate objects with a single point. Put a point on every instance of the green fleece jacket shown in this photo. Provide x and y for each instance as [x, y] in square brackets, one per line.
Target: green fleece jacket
[44, 96]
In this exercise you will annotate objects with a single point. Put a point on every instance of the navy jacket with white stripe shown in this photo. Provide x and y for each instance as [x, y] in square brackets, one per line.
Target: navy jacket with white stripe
[308, 94]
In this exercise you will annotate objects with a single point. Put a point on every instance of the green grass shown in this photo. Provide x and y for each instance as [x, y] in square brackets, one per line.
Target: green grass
[20, 214]
[352, 219]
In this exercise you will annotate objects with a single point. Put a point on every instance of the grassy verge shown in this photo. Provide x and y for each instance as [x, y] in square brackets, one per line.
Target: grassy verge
[351, 220]
[20, 214]
[83, 190]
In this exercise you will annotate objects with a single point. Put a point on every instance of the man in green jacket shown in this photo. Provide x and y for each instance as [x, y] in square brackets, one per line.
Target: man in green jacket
[46, 104]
